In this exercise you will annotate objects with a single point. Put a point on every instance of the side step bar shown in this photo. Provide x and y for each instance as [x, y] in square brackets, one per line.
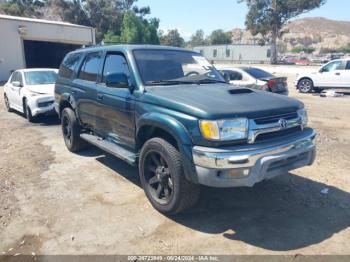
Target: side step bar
[111, 148]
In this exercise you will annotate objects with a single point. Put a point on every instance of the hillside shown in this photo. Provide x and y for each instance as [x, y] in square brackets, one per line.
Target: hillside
[316, 32]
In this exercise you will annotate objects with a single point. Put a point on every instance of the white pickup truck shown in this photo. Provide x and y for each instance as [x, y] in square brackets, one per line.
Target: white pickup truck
[335, 74]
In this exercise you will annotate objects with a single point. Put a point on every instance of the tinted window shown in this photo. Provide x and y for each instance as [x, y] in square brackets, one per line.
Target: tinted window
[68, 65]
[115, 64]
[228, 52]
[336, 65]
[215, 52]
[162, 65]
[347, 65]
[268, 53]
[257, 73]
[235, 76]
[91, 67]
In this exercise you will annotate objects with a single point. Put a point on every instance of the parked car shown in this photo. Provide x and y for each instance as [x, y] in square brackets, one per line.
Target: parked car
[303, 61]
[31, 91]
[169, 111]
[256, 78]
[335, 74]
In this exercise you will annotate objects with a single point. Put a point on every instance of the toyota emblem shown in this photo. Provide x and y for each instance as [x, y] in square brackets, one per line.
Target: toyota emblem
[283, 123]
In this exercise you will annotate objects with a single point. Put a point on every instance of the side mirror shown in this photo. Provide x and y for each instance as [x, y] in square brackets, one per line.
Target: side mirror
[117, 80]
[226, 76]
[17, 84]
[322, 70]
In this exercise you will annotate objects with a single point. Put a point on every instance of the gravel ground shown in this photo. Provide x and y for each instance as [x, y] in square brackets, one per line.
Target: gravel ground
[56, 202]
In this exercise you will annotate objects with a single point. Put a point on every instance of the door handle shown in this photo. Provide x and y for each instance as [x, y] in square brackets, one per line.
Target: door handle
[338, 74]
[99, 96]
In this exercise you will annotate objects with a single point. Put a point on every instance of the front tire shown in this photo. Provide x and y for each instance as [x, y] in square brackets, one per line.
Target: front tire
[7, 103]
[27, 111]
[71, 131]
[162, 178]
[305, 85]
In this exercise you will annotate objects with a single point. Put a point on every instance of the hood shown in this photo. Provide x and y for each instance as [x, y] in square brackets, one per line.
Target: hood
[219, 101]
[42, 89]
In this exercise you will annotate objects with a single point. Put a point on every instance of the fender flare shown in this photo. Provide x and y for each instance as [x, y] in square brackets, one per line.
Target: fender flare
[168, 124]
[179, 132]
[67, 98]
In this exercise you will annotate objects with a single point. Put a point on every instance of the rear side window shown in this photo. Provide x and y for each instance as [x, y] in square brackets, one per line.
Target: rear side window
[347, 66]
[91, 67]
[68, 65]
[234, 76]
[257, 73]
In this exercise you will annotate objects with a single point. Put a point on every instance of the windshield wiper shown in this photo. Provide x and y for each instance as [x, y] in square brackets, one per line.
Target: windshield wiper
[208, 81]
[168, 82]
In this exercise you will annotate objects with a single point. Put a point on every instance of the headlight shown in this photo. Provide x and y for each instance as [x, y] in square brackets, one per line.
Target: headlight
[303, 116]
[224, 130]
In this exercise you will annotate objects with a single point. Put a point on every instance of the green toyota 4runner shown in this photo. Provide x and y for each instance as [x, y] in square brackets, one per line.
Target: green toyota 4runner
[170, 112]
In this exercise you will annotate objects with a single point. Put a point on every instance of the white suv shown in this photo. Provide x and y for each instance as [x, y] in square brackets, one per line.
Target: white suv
[31, 91]
[335, 74]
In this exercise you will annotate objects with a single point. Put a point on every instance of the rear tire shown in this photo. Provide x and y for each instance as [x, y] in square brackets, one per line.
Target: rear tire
[162, 178]
[71, 131]
[7, 103]
[305, 86]
[27, 111]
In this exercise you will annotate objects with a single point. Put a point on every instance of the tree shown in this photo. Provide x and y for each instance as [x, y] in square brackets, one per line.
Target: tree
[70, 11]
[268, 17]
[219, 37]
[135, 30]
[106, 16]
[26, 8]
[172, 38]
[197, 39]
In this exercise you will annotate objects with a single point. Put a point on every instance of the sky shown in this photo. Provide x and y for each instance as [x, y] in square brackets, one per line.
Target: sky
[190, 15]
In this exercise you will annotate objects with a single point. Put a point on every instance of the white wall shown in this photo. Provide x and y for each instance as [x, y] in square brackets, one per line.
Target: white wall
[11, 42]
[242, 53]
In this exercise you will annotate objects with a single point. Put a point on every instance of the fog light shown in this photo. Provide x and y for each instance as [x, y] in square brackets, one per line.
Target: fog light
[235, 173]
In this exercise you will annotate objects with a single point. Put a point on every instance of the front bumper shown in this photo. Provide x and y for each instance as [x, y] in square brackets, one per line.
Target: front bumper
[35, 102]
[250, 164]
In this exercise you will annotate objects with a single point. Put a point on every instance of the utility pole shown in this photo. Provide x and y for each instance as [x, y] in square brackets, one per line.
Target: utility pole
[274, 35]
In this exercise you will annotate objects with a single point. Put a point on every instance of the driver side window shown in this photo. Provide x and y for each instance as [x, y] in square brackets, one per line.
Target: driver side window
[17, 77]
[115, 63]
[332, 66]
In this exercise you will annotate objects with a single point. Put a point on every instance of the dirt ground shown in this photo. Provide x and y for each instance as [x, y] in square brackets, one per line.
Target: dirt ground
[56, 202]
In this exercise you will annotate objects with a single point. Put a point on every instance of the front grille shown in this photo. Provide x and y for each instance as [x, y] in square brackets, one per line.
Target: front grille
[45, 104]
[275, 119]
[278, 134]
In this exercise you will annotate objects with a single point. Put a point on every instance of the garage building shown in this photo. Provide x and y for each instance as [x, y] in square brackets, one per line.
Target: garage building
[29, 43]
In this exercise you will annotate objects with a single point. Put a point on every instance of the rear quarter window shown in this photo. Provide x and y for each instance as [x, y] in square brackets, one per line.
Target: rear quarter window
[68, 65]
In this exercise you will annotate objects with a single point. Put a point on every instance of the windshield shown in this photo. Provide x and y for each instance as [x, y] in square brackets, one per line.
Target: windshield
[257, 73]
[40, 77]
[174, 67]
